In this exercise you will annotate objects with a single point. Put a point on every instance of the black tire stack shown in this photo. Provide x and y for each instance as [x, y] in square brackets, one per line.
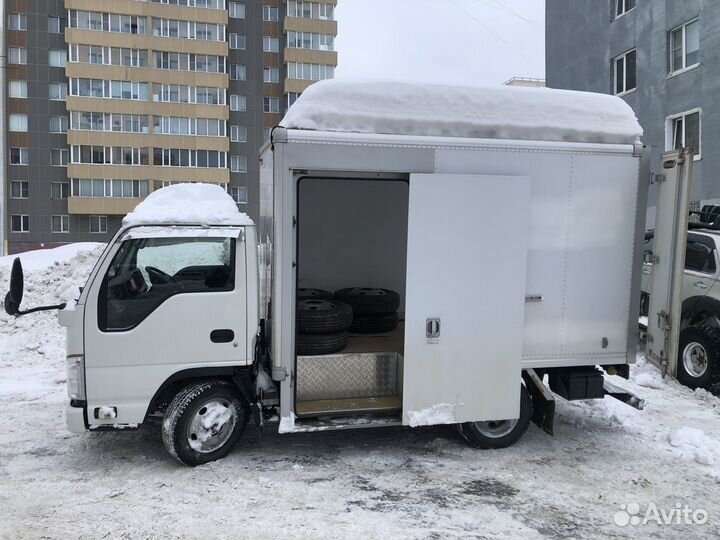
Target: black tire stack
[375, 311]
[322, 323]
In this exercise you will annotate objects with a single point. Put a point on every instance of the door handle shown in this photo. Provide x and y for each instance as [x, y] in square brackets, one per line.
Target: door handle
[222, 335]
[700, 285]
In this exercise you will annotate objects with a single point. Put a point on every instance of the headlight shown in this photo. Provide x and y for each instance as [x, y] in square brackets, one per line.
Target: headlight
[76, 377]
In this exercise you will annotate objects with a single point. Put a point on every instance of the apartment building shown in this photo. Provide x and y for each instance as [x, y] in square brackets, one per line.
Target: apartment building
[109, 100]
[660, 57]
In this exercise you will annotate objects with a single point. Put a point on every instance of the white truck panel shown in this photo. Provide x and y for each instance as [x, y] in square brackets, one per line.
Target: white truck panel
[470, 281]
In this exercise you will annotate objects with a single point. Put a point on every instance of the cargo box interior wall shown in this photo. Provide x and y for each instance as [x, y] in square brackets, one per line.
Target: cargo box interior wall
[352, 233]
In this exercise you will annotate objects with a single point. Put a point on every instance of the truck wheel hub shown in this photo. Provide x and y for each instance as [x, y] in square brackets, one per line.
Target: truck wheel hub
[212, 425]
[495, 429]
[695, 360]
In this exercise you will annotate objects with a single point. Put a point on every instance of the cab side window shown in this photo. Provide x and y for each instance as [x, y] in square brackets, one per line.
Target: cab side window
[147, 271]
[699, 257]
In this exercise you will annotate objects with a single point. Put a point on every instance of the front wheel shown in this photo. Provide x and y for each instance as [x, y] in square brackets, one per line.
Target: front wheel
[203, 422]
[499, 433]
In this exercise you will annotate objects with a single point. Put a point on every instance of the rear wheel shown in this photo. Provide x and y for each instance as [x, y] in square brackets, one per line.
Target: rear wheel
[699, 356]
[203, 422]
[499, 433]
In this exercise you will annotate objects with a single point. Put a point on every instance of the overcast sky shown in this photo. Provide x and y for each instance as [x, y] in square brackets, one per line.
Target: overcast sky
[476, 42]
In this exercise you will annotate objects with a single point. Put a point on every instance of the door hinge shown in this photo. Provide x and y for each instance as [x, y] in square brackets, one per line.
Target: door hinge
[664, 321]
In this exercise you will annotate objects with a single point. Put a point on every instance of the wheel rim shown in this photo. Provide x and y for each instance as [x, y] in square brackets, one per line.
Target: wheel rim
[495, 429]
[212, 425]
[695, 359]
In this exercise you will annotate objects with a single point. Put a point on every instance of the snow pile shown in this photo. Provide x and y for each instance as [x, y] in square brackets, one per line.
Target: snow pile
[442, 413]
[694, 443]
[43, 259]
[205, 204]
[503, 112]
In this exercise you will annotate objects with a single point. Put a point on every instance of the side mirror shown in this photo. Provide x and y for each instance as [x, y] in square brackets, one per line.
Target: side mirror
[14, 297]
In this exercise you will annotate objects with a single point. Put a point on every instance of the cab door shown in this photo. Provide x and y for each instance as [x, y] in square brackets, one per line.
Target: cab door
[700, 266]
[163, 303]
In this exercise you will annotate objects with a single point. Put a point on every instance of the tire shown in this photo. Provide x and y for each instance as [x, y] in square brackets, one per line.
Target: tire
[317, 344]
[486, 436]
[698, 364]
[309, 294]
[368, 300]
[374, 324]
[185, 421]
[318, 316]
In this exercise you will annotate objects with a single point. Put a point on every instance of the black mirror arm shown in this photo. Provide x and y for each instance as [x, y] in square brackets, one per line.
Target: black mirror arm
[40, 308]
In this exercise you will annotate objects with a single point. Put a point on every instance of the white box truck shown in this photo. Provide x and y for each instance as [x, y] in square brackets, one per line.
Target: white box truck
[487, 242]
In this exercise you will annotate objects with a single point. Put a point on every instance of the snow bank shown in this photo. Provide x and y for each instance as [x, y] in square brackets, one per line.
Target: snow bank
[493, 112]
[695, 444]
[188, 203]
[43, 259]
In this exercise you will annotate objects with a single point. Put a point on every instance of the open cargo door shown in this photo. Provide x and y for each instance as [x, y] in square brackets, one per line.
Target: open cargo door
[465, 297]
[668, 259]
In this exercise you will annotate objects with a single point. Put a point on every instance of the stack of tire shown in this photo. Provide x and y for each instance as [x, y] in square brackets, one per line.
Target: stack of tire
[322, 323]
[375, 311]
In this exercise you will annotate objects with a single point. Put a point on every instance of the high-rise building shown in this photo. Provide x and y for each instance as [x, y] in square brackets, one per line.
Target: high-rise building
[657, 55]
[109, 100]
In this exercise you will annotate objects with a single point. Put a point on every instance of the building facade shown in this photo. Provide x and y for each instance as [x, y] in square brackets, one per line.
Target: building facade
[658, 55]
[109, 100]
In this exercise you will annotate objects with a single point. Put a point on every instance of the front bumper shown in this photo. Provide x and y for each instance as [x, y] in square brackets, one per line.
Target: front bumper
[75, 419]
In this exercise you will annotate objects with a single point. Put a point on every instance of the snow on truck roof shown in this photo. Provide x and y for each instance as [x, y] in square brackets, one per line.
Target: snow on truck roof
[502, 112]
[206, 204]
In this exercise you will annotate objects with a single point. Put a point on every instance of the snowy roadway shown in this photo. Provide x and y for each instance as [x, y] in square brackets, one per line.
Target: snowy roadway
[387, 483]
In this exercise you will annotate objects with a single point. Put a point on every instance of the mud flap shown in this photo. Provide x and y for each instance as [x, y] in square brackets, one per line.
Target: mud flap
[542, 399]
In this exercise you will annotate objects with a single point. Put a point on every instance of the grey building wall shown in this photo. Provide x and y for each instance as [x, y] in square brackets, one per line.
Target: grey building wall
[583, 37]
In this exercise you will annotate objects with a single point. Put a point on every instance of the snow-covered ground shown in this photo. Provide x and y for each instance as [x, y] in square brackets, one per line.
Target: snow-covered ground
[387, 483]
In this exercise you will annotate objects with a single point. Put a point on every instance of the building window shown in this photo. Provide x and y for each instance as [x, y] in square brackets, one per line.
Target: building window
[20, 223]
[308, 40]
[58, 124]
[98, 224]
[18, 55]
[184, 157]
[271, 75]
[310, 72]
[17, 21]
[101, 188]
[18, 122]
[57, 91]
[19, 189]
[684, 130]
[310, 10]
[239, 194]
[292, 98]
[58, 157]
[60, 224]
[237, 41]
[19, 156]
[237, 10]
[18, 89]
[623, 6]
[625, 72]
[685, 46]
[57, 58]
[56, 25]
[271, 13]
[238, 134]
[271, 105]
[237, 72]
[238, 103]
[60, 190]
[238, 164]
[271, 44]
[107, 22]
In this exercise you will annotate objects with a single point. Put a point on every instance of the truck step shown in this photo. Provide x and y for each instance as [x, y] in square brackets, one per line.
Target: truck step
[348, 406]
